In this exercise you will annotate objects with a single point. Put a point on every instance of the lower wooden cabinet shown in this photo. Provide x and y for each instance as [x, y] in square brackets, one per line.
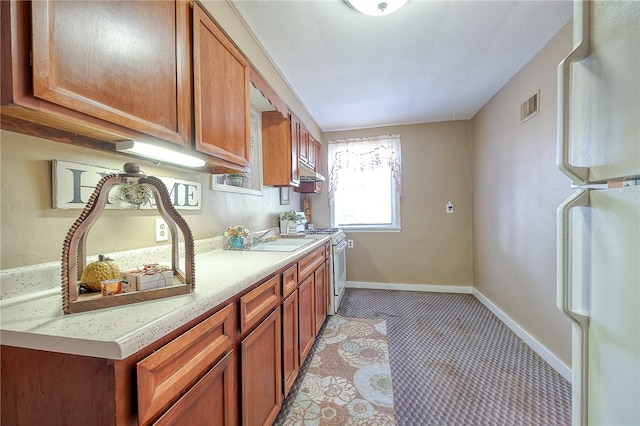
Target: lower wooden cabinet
[320, 297]
[233, 365]
[290, 346]
[306, 321]
[261, 372]
[171, 372]
[211, 401]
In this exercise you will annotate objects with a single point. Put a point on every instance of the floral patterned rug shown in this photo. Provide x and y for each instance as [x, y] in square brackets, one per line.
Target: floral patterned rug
[348, 379]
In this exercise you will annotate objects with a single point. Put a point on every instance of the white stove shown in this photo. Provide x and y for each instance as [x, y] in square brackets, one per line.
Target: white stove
[338, 265]
[337, 234]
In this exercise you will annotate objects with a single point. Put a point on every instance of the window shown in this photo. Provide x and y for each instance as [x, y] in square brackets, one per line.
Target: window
[365, 178]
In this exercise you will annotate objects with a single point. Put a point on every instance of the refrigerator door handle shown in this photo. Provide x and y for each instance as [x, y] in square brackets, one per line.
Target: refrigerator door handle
[582, 25]
[580, 383]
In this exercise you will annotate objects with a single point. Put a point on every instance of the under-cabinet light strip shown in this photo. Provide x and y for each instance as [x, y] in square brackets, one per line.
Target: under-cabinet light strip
[158, 153]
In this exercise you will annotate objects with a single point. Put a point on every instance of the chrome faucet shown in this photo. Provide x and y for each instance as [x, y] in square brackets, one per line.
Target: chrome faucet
[261, 236]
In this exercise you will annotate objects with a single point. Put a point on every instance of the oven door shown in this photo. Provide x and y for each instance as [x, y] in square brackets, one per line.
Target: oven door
[339, 273]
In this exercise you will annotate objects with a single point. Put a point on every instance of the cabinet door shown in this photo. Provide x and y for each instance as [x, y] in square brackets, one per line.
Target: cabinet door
[122, 62]
[314, 162]
[327, 272]
[320, 299]
[295, 150]
[303, 154]
[312, 152]
[262, 372]
[280, 152]
[290, 348]
[211, 401]
[164, 376]
[317, 167]
[306, 323]
[221, 94]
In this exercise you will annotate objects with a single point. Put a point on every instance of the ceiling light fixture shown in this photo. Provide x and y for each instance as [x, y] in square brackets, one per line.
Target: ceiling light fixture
[376, 7]
[158, 153]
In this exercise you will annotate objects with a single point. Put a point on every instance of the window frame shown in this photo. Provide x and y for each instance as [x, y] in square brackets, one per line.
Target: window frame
[394, 226]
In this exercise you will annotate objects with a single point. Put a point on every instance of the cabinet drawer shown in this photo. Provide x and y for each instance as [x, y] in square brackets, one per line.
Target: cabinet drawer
[168, 373]
[256, 304]
[212, 400]
[289, 280]
[310, 263]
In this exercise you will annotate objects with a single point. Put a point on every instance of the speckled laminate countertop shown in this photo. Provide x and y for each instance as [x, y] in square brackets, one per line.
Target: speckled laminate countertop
[37, 322]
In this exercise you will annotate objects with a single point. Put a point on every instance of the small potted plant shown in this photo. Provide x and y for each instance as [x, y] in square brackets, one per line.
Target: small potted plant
[236, 235]
[290, 221]
[235, 179]
[135, 194]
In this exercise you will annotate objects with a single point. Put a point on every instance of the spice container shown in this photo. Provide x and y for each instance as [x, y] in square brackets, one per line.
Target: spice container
[111, 287]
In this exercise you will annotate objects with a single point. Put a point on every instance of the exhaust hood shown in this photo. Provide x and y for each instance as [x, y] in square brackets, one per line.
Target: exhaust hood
[307, 174]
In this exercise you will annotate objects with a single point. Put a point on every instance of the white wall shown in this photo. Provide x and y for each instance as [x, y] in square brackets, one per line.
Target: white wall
[516, 190]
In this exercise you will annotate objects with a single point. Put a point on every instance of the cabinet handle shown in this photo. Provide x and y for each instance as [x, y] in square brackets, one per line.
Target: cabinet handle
[580, 383]
[581, 22]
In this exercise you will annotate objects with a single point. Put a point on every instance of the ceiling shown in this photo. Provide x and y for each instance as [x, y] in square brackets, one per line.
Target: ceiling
[429, 61]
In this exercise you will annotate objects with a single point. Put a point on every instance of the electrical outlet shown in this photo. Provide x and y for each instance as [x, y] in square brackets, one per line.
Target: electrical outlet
[350, 243]
[162, 230]
[449, 207]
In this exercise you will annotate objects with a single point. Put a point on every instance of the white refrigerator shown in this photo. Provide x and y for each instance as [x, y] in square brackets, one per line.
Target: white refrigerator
[599, 225]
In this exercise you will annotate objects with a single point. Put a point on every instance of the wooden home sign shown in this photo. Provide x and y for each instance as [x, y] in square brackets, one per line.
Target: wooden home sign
[73, 184]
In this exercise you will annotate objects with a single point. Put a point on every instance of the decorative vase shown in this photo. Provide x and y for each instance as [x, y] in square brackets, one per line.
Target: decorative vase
[292, 227]
[237, 242]
[235, 180]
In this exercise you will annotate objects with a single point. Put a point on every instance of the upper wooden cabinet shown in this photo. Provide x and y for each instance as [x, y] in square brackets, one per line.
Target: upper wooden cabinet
[303, 135]
[307, 187]
[221, 93]
[118, 67]
[280, 145]
[313, 152]
[98, 72]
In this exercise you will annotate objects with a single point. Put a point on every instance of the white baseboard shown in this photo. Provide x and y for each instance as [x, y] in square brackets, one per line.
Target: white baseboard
[551, 359]
[411, 287]
[537, 347]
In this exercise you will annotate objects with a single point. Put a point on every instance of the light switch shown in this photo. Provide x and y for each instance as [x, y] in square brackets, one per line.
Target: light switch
[449, 207]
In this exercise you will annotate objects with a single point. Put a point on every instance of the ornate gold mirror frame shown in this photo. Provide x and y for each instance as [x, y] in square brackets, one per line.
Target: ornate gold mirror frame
[74, 249]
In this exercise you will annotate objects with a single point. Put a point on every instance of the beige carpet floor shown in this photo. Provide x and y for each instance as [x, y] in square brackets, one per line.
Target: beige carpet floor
[453, 362]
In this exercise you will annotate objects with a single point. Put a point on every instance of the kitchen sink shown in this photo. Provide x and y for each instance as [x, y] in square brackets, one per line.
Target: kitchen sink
[282, 244]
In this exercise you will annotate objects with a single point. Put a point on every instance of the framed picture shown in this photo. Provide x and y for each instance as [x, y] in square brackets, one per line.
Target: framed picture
[284, 196]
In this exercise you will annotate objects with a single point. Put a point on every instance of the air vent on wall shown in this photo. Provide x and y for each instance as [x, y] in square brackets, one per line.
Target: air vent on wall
[530, 107]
